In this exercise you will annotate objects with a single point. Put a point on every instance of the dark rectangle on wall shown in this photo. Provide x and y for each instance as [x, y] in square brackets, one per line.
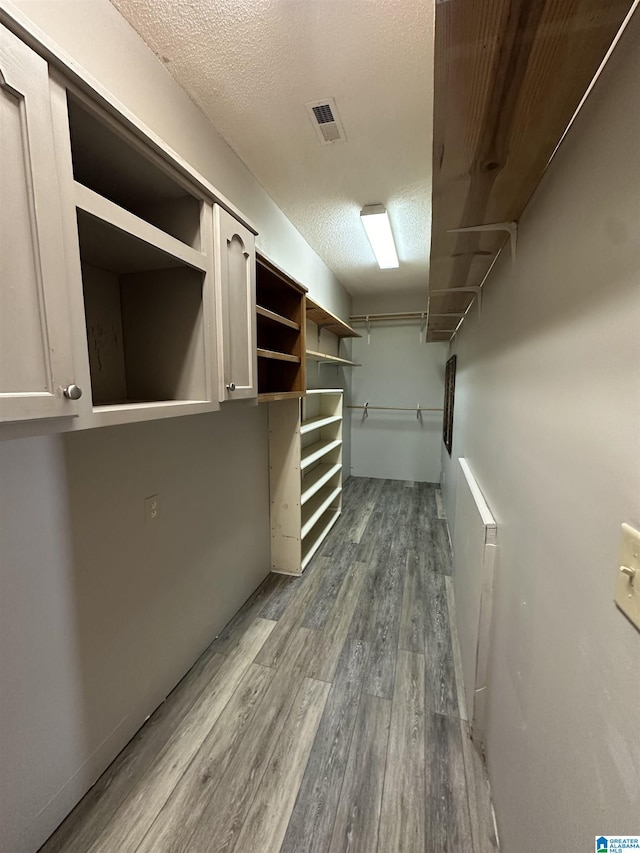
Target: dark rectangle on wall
[449, 394]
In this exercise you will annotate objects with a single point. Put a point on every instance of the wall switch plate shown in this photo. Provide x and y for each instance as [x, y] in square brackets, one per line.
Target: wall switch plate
[151, 507]
[627, 593]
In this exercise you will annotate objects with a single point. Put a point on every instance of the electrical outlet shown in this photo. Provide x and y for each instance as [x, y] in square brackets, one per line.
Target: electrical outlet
[627, 594]
[151, 507]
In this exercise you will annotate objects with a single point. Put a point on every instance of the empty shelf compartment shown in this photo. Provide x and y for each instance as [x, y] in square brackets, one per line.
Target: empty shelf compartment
[314, 508]
[321, 403]
[315, 479]
[144, 320]
[318, 423]
[315, 452]
[317, 536]
[274, 317]
[118, 167]
[278, 356]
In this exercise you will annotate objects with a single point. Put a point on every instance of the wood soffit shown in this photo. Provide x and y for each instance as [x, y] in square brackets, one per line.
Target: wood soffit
[509, 75]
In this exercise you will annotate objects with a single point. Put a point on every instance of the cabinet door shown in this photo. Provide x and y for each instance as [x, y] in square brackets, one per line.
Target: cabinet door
[236, 288]
[35, 340]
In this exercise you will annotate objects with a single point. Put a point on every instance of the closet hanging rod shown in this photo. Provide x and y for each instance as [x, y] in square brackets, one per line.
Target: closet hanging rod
[367, 407]
[418, 410]
[408, 315]
[403, 315]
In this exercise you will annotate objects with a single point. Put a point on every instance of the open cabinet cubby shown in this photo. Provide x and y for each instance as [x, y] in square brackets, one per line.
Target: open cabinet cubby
[144, 319]
[110, 162]
[305, 459]
[144, 268]
[280, 333]
[277, 375]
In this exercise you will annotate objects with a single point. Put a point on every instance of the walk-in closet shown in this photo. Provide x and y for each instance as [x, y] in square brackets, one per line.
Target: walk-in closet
[319, 426]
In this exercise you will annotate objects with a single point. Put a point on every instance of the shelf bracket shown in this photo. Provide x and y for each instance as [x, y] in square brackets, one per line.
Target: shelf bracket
[510, 227]
[368, 330]
[423, 325]
[419, 413]
[365, 413]
[449, 290]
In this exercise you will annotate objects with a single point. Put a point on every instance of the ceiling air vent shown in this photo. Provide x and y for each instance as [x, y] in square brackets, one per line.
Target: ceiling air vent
[326, 121]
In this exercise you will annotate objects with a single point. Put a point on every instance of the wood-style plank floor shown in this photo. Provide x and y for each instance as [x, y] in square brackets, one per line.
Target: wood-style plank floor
[327, 717]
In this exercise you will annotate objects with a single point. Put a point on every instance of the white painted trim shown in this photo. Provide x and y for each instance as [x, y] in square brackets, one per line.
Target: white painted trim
[483, 508]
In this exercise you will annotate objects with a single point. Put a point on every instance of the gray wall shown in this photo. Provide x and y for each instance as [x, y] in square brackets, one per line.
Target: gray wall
[547, 413]
[100, 614]
[397, 370]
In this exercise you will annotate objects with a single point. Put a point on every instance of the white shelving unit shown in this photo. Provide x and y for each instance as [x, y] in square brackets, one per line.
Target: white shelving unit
[305, 461]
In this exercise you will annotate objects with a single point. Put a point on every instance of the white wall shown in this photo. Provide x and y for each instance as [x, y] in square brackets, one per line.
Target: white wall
[397, 370]
[100, 614]
[547, 412]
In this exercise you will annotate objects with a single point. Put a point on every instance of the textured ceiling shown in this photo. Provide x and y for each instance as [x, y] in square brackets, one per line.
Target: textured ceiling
[251, 65]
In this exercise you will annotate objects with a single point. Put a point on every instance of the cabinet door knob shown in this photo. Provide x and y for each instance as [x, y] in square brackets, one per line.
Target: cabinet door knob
[231, 386]
[72, 392]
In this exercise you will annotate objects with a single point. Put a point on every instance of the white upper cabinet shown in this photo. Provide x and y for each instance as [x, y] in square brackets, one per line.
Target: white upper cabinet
[142, 270]
[36, 369]
[236, 289]
[124, 280]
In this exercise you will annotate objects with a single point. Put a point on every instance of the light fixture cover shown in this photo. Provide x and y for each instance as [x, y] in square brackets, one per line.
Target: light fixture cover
[376, 223]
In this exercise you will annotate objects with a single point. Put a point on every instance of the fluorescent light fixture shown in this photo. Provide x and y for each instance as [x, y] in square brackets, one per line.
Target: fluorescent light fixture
[376, 223]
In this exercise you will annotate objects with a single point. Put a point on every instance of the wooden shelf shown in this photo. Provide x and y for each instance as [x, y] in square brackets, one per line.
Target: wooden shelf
[280, 333]
[273, 396]
[125, 250]
[315, 479]
[316, 451]
[333, 359]
[278, 356]
[326, 320]
[277, 318]
[315, 508]
[499, 139]
[311, 544]
[318, 423]
[277, 272]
